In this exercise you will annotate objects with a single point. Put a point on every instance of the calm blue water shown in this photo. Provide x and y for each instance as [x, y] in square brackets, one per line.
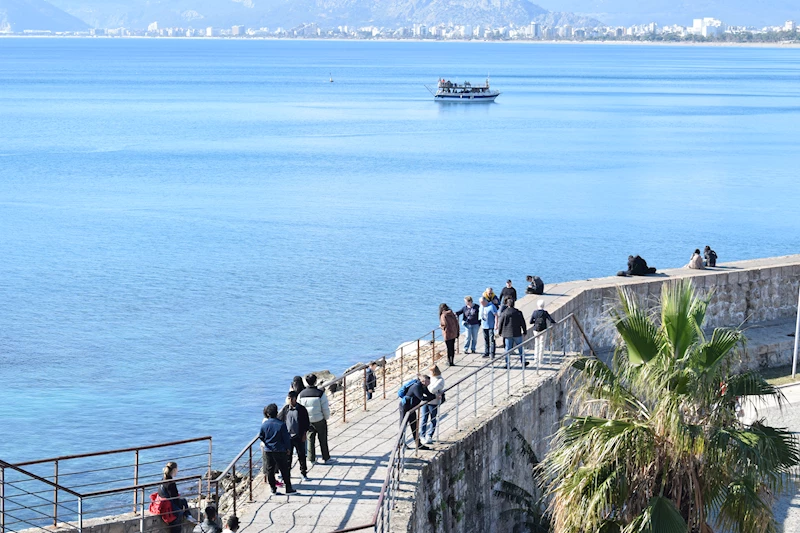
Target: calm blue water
[187, 224]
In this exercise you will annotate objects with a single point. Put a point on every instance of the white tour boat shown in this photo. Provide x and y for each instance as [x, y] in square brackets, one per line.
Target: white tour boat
[447, 91]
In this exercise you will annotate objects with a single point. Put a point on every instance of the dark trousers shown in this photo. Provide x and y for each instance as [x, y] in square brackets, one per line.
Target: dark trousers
[278, 461]
[318, 428]
[412, 419]
[489, 347]
[175, 526]
[451, 351]
[300, 445]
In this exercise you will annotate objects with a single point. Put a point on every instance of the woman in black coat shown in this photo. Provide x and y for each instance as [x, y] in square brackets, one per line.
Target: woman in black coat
[169, 490]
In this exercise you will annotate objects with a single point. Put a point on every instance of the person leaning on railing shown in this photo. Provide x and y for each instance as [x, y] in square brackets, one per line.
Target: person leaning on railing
[168, 490]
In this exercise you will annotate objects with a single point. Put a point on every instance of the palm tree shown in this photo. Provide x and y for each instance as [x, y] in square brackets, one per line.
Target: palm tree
[654, 444]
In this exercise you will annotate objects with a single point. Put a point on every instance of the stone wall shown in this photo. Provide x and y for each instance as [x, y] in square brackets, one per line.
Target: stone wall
[455, 490]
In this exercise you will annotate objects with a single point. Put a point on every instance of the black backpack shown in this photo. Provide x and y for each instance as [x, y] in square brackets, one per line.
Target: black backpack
[536, 286]
[539, 320]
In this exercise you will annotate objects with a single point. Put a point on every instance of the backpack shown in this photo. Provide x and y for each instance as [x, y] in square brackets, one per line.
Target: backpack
[539, 320]
[536, 286]
[161, 507]
[404, 390]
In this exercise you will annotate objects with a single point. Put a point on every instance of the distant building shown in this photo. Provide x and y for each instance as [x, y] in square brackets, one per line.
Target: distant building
[97, 31]
[707, 27]
[536, 30]
[237, 31]
[209, 32]
[790, 26]
[152, 27]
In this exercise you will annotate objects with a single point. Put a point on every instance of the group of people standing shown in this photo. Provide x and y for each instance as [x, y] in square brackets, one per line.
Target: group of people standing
[299, 424]
[496, 316]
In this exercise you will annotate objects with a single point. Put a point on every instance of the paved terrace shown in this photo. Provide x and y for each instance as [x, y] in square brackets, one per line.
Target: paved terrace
[344, 494]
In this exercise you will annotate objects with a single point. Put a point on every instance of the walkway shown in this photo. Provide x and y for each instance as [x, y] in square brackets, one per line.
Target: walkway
[344, 494]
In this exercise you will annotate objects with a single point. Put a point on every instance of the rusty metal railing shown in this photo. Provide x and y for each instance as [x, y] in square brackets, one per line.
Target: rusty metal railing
[65, 489]
[472, 395]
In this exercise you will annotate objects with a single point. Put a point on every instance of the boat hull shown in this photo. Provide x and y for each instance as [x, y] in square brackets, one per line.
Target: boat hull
[465, 98]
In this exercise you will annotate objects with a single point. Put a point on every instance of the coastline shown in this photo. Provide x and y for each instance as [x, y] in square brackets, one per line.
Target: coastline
[391, 40]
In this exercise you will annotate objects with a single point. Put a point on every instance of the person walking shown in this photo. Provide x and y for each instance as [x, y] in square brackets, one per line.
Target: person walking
[450, 331]
[539, 320]
[316, 403]
[371, 380]
[430, 411]
[168, 491]
[508, 292]
[511, 326]
[488, 317]
[277, 444]
[295, 416]
[470, 315]
[416, 391]
[209, 525]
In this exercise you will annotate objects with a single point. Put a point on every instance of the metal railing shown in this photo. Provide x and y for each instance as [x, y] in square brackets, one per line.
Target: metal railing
[66, 490]
[241, 477]
[475, 394]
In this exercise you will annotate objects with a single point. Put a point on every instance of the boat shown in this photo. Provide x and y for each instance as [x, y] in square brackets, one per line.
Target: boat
[447, 91]
[331, 75]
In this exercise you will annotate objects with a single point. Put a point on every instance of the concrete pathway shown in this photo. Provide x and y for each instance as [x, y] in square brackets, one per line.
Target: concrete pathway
[345, 493]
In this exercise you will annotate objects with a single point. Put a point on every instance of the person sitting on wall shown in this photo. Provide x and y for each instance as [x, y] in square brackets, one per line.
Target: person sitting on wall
[711, 256]
[696, 262]
[535, 285]
[637, 266]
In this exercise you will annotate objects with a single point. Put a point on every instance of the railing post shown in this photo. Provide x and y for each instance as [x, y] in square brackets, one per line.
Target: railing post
[433, 347]
[564, 342]
[55, 493]
[458, 402]
[141, 512]
[135, 478]
[365, 388]
[233, 479]
[476, 394]
[384, 377]
[250, 473]
[344, 398]
[419, 347]
[402, 377]
[524, 361]
[210, 444]
[492, 386]
[508, 374]
[2, 500]
[80, 514]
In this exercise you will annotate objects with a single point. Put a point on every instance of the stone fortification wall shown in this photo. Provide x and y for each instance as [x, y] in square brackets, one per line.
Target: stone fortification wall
[455, 488]
[454, 493]
[745, 293]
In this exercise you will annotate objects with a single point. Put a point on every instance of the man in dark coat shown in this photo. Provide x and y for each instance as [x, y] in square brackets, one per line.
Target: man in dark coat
[277, 443]
[295, 416]
[371, 380]
[511, 326]
[637, 266]
[508, 292]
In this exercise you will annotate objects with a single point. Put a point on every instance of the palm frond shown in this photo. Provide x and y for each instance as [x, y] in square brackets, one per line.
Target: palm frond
[707, 355]
[637, 329]
[680, 312]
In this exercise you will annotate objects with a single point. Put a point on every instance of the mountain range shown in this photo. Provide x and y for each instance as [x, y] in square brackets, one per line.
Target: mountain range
[18, 15]
[137, 14]
[735, 12]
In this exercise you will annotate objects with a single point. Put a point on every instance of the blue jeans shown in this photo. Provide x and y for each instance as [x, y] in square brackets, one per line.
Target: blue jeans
[472, 336]
[432, 412]
[510, 343]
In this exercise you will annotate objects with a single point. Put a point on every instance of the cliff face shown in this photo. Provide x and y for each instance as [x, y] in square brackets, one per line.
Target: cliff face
[290, 13]
[19, 15]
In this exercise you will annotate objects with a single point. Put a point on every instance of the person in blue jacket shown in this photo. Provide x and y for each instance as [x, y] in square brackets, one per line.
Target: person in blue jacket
[277, 443]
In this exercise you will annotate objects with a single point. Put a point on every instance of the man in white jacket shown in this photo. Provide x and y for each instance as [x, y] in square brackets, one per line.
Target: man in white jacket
[316, 403]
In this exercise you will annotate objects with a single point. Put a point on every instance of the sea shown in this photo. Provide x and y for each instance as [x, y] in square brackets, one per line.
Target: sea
[187, 224]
